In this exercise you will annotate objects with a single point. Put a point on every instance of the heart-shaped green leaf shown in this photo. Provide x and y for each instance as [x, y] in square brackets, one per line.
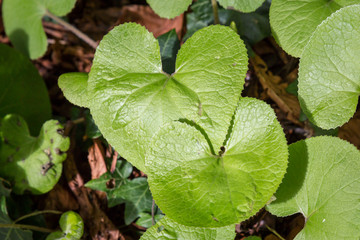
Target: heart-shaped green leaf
[166, 229]
[74, 87]
[194, 187]
[22, 22]
[31, 163]
[169, 8]
[242, 5]
[11, 233]
[22, 90]
[72, 227]
[329, 74]
[131, 97]
[294, 21]
[322, 182]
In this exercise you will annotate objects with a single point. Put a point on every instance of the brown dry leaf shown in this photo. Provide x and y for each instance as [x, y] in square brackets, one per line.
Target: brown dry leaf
[276, 90]
[98, 224]
[351, 130]
[96, 159]
[145, 16]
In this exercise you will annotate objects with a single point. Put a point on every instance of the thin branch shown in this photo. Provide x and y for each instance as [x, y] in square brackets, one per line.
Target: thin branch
[29, 227]
[215, 11]
[73, 29]
[274, 232]
[37, 213]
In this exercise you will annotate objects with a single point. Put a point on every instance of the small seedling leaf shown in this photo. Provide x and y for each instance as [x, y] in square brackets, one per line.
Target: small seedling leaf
[72, 227]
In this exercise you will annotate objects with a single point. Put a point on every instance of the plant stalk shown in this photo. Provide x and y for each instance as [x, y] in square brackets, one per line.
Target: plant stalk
[37, 213]
[215, 11]
[29, 227]
[73, 29]
[275, 232]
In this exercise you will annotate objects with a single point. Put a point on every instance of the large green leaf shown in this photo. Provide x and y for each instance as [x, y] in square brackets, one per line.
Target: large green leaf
[31, 163]
[166, 229]
[194, 187]
[22, 22]
[242, 5]
[294, 21]
[74, 87]
[322, 182]
[329, 75]
[169, 8]
[22, 90]
[72, 227]
[11, 233]
[131, 97]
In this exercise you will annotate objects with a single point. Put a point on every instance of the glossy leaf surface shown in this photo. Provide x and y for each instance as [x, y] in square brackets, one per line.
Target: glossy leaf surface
[194, 187]
[322, 182]
[131, 97]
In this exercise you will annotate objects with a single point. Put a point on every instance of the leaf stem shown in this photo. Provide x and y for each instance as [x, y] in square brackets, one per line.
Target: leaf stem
[153, 213]
[29, 227]
[37, 213]
[73, 29]
[215, 11]
[274, 232]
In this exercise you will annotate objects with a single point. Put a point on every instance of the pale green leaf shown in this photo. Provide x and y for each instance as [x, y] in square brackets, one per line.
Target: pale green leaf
[189, 182]
[11, 233]
[242, 5]
[131, 97]
[166, 229]
[329, 74]
[22, 90]
[74, 87]
[22, 22]
[294, 21]
[72, 227]
[136, 196]
[169, 8]
[30, 163]
[322, 182]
